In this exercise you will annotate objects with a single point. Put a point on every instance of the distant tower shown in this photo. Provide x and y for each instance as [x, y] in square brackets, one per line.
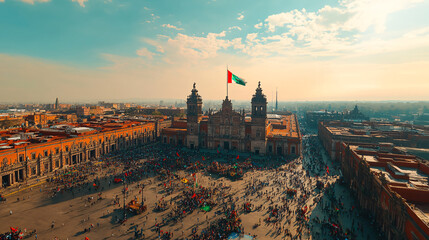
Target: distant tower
[56, 104]
[193, 113]
[277, 106]
[259, 117]
[272, 101]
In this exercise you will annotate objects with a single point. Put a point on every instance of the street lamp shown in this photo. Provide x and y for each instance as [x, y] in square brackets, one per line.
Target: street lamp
[124, 191]
[142, 194]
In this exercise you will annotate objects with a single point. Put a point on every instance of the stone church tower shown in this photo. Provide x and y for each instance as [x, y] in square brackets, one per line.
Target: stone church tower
[193, 114]
[259, 117]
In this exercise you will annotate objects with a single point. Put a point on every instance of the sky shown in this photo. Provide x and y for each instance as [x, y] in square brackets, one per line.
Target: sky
[324, 50]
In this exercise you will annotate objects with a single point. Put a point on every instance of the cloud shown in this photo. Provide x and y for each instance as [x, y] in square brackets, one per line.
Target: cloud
[351, 55]
[194, 47]
[258, 26]
[81, 2]
[144, 52]
[372, 13]
[234, 27]
[349, 15]
[171, 26]
[240, 16]
[26, 79]
[156, 44]
[153, 18]
[329, 31]
[32, 1]
[292, 18]
[251, 37]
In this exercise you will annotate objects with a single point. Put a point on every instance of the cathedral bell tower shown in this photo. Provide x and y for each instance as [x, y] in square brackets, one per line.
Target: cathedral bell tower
[258, 124]
[193, 114]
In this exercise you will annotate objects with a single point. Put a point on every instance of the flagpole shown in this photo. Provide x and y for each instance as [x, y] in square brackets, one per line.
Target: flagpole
[226, 81]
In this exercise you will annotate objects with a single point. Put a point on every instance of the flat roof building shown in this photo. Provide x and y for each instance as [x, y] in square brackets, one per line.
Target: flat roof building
[391, 184]
[32, 152]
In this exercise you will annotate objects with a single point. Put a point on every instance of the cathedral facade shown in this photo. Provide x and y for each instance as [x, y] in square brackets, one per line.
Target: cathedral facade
[226, 129]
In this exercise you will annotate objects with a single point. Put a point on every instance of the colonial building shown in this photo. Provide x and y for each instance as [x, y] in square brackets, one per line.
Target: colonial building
[258, 122]
[27, 153]
[257, 132]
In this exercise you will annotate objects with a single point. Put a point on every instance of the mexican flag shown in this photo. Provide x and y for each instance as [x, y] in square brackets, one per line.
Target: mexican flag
[234, 78]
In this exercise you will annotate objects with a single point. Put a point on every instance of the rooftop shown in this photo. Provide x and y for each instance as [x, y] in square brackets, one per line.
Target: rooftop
[282, 126]
[25, 136]
[404, 173]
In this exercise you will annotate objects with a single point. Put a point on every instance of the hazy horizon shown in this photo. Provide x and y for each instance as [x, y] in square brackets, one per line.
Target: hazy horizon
[89, 51]
[183, 101]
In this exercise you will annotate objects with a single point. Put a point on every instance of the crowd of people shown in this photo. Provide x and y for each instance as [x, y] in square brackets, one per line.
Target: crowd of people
[16, 233]
[284, 195]
[222, 228]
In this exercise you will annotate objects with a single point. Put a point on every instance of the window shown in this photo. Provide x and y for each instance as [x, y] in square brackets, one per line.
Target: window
[33, 156]
[107, 139]
[57, 164]
[80, 145]
[45, 153]
[33, 170]
[57, 150]
[67, 148]
[21, 157]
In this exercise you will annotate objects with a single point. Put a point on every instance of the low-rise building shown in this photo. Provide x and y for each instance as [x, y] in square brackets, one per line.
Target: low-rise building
[27, 153]
[391, 185]
[332, 133]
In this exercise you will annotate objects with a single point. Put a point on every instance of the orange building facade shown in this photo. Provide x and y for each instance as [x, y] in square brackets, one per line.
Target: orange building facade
[29, 153]
[391, 185]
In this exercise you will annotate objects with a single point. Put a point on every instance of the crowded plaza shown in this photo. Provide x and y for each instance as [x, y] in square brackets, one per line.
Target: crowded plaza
[162, 192]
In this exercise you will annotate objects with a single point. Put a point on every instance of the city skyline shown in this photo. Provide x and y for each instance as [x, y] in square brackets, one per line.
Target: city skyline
[89, 50]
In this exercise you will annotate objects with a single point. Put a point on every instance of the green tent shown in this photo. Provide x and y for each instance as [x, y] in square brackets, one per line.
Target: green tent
[206, 208]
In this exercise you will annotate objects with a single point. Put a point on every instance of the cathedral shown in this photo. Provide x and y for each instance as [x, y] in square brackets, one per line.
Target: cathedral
[256, 132]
